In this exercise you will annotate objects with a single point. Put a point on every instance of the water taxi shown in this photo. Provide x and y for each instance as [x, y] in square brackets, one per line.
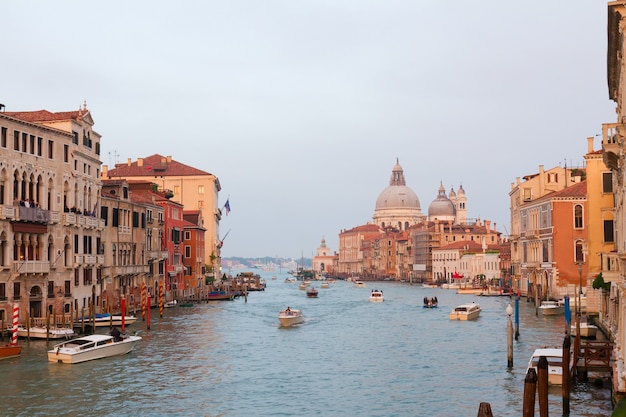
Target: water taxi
[466, 312]
[555, 363]
[376, 296]
[290, 317]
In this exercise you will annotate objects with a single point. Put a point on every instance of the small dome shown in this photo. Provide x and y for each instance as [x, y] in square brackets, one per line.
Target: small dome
[452, 194]
[441, 208]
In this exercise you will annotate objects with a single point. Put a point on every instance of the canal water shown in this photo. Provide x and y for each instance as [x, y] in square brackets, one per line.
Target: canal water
[349, 358]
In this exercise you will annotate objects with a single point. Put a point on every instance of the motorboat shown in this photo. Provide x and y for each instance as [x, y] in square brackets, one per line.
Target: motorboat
[303, 285]
[95, 346]
[376, 296]
[38, 332]
[555, 363]
[106, 320]
[550, 308]
[10, 351]
[170, 304]
[311, 292]
[586, 329]
[325, 285]
[465, 312]
[430, 302]
[359, 284]
[290, 317]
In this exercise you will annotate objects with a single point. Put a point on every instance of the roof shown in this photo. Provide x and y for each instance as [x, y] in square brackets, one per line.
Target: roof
[154, 165]
[46, 116]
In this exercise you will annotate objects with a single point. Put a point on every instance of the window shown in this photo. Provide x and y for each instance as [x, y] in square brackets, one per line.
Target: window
[50, 149]
[3, 137]
[66, 153]
[187, 251]
[200, 189]
[16, 290]
[39, 145]
[527, 194]
[578, 216]
[200, 204]
[608, 231]
[24, 142]
[607, 182]
[16, 140]
[187, 235]
[579, 252]
[32, 144]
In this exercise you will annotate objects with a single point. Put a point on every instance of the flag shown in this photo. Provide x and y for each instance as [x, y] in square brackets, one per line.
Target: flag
[227, 206]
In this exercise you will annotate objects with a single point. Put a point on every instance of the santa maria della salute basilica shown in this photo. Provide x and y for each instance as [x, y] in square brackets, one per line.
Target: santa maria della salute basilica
[404, 243]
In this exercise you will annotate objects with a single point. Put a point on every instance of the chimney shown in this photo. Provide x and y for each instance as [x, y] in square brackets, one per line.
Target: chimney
[139, 162]
[129, 162]
[590, 144]
[169, 159]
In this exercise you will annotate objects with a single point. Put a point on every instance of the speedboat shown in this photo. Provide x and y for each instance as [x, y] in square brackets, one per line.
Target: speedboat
[550, 308]
[91, 347]
[303, 285]
[555, 363]
[376, 296]
[325, 285]
[359, 284]
[311, 292]
[105, 320]
[37, 332]
[290, 317]
[430, 302]
[170, 304]
[465, 312]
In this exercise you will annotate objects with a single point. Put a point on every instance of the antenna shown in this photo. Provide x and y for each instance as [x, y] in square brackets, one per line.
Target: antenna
[115, 155]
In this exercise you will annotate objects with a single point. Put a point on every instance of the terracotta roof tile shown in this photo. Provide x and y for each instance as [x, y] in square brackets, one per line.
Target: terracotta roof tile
[154, 165]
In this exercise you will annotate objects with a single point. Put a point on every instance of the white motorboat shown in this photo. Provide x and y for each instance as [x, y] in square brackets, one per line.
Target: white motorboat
[555, 363]
[586, 329]
[325, 285]
[37, 332]
[359, 284]
[376, 296]
[303, 285]
[105, 320]
[171, 304]
[464, 312]
[550, 308]
[87, 348]
[290, 317]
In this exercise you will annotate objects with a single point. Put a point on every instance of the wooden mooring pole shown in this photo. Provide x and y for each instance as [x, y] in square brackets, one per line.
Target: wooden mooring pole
[542, 386]
[530, 388]
[566, 374]
[484, 410]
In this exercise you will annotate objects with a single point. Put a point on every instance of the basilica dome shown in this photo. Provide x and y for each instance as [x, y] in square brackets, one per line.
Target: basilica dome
[442, 208]
[397, 205]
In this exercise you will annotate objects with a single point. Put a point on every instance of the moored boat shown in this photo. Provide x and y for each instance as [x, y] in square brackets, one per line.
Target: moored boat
[555, 363]
[87, 348]
[464, 312]
[551, 308]
[105, 320]
[376, 296]
[37, 332]
[290, 317]
[586, 329]
[10, 351]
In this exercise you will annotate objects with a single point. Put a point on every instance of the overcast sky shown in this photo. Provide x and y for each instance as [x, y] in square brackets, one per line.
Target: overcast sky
[302, 107]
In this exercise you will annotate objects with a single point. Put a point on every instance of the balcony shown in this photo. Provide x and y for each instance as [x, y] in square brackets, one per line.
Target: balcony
[120, 270]
[33, 214]
[609, 266]
[90, 259]
[612, 144]
[7, 212]
[32, 267]
[157, 255]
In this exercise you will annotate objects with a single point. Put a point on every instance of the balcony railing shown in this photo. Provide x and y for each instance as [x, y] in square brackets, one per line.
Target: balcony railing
[34, 214]
[32, 267]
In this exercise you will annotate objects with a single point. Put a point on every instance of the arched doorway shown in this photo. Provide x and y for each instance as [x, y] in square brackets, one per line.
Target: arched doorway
[35, 298]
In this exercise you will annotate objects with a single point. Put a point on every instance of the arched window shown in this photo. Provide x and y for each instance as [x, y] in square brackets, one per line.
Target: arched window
[579, 255]
[578, 216]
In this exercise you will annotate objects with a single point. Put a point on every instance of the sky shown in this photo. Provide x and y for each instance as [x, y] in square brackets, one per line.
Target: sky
[301, 108]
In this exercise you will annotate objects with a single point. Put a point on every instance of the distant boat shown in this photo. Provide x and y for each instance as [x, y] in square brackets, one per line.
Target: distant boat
[376, 296]
[430, 302]
[311, 292]
[465, 312]
[359, 284]
[551, 308]
[289, 317]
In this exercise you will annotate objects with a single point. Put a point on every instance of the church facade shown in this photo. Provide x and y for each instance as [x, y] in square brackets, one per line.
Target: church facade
[398, 242]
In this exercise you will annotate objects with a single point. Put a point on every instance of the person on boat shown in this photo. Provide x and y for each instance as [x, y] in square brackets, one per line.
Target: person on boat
[435, 299]
[117, 336]
[425, 300]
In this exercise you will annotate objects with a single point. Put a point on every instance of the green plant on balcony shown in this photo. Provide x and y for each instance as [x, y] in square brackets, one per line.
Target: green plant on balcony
[599, 283]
